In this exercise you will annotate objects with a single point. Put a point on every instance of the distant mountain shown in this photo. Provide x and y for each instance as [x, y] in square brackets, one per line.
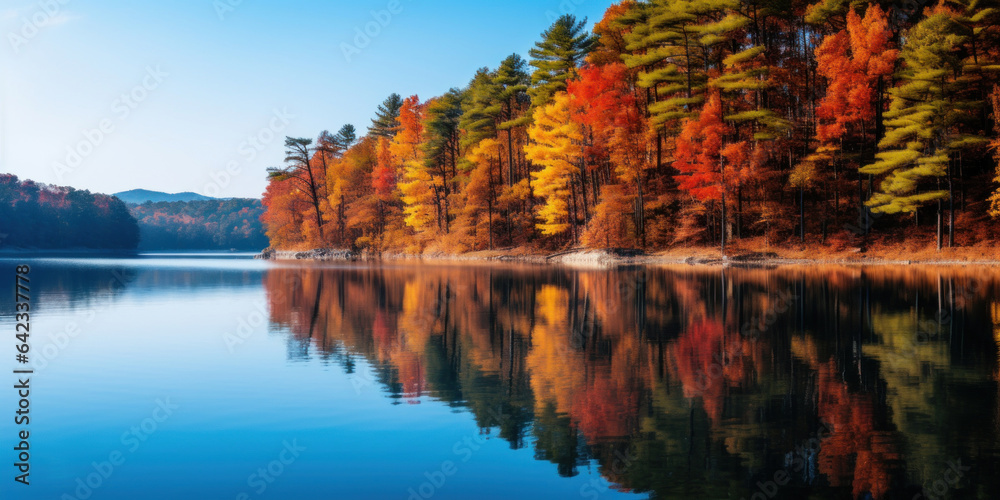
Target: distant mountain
[140, 196]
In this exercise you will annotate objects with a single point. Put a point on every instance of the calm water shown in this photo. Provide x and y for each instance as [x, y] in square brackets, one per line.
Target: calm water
[221, 377]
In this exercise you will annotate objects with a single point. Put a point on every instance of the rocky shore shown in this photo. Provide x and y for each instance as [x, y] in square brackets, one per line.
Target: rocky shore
[616, 257]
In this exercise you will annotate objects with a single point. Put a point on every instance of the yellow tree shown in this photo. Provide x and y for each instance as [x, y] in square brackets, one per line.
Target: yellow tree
[556, 145]
[416, 185]
[419, 201]
[336, 197]
[481, 192]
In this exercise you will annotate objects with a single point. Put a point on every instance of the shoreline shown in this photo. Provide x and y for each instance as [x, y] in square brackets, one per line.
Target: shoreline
[608, 258]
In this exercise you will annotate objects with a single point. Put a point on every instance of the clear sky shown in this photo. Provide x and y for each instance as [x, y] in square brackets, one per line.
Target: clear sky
[111, 95]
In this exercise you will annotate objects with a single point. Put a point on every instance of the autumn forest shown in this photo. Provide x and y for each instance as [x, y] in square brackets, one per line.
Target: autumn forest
[672, 123]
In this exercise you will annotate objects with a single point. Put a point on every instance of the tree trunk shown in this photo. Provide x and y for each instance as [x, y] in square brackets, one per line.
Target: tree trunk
[951, 209]
[437, 205]
[739, 210]
[641, 216]
[862, 209]
[659, 151]
[572, 221]
[342, 219]
[939, 221]
[510, 146]
[319, 217]
[722, 225]
[802, 214]
[836, 185]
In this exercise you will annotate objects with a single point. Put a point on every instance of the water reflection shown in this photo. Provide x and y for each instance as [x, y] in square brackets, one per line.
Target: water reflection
[681, 382]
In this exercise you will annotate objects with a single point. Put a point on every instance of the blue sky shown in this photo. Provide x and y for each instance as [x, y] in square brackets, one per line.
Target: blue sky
[110, 95]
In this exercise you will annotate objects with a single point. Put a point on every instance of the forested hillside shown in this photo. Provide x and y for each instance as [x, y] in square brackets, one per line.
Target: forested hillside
[201, 225]
[676, 122]
[40, 216]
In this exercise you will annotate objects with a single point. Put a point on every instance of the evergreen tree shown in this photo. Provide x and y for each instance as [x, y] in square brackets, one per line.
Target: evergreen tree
[668, 46]
[831, 12]
[442, 149]
[386, 121]
[733, 102]
[298, 168]
[923, 120]
[981, 51]
[328, 146]
[512, 82]
[562, 49]
[345, 137]
[481, 108]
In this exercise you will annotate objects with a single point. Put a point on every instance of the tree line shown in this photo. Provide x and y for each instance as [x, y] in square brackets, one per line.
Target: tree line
[41, 216]
[201, 225]
[677, 122]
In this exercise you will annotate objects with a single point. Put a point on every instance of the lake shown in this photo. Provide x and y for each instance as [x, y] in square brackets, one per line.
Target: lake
[218, 376]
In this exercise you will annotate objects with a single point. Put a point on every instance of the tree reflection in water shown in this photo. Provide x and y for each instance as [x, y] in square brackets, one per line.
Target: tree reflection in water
[684, 382]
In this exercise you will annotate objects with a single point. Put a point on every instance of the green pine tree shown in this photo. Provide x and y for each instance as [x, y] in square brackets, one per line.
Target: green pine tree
[924, 121]
[665, 42]
[981, 66]
[442, 149]
[674, 43]
[562, 49]
[386, 121]
[481, 108]
[513, 81]
[345, 137]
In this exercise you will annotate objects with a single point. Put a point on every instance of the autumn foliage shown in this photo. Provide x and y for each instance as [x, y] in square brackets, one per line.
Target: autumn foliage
[41, 216]
[674, 123]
